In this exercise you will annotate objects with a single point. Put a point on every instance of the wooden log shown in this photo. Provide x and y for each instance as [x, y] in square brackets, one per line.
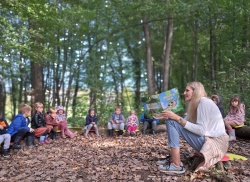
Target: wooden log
[243, 132]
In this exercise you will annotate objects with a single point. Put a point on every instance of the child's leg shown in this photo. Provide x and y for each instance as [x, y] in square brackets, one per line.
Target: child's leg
[96, 130]
[87, 130]
[18, 137]
[145, 126]
[229, 124]
[46, 139]
[129, 130]
[53, 133]
[69, 133]
[6, 139]
[133, 130]
[62, 126]
[30, 139]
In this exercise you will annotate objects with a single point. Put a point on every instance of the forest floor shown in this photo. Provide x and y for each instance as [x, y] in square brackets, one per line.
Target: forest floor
[117, 159]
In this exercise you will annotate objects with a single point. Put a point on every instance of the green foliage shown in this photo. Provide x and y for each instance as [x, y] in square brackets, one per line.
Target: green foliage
[76, 121]
[104, 40]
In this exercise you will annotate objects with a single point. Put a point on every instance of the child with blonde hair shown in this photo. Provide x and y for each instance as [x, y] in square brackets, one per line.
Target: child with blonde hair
[235, 116]
[132, 123]
[19, 128]
[38, 124]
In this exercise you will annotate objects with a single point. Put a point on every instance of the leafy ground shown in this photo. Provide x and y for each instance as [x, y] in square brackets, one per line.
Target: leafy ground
[105, 159]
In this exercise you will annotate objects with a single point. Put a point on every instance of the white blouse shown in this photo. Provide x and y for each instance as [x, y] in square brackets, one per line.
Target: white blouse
[209, 120]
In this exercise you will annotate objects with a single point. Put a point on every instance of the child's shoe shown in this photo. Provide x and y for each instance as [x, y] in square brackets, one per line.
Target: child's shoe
[165, 161]
[133, 133]
[41, 140]
[5, 153]
[46, 141]
[63, 136]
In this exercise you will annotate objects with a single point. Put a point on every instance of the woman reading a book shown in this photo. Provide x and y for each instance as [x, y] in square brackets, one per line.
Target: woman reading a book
[203, 129]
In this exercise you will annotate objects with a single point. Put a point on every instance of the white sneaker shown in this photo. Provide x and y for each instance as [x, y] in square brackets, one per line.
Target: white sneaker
[164, 161]
[172, 168]
[232, 138]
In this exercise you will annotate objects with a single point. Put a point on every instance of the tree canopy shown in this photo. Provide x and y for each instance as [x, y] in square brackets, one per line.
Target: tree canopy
[94, 53]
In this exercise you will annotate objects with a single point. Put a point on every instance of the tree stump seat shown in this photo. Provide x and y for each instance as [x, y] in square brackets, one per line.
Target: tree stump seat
[239, 126]
[224, 163]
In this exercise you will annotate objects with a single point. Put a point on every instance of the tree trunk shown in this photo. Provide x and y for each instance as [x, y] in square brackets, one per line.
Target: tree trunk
[36, 67]
[76, 91]
[37, 81]
[115, 84]
[2, 98]
[212, 55]
[149, 62]
[195, 63]
[167, 50]
[121, 76]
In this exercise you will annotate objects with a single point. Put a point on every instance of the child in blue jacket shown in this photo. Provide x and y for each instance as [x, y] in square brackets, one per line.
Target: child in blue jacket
[19, 129]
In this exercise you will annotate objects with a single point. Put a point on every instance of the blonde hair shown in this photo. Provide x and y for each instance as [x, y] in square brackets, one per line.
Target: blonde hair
[38, 104]
[52, 110]
[23, 108]
[198, 93]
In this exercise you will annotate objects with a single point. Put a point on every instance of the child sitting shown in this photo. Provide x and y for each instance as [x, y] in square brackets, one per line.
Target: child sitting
[235, 116]
[38, 124]
[62, 123]
[91, 122]
[116, 121]
[19, 129]
[4, 137]
[218, 101]
[51, 121]
[148, 123]
[132, 123]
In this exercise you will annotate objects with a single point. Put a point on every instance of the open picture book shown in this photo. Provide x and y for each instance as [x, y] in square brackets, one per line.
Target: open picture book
[169, 100]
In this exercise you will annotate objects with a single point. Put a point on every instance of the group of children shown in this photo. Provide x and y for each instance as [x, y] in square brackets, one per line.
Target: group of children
[118, 122]
[42, 125]
[235, 116]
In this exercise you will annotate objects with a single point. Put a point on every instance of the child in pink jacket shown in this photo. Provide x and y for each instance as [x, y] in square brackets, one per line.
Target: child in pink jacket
[62, 123]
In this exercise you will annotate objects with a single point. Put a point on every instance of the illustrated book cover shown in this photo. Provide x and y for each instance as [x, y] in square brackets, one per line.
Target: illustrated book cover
[169, 100]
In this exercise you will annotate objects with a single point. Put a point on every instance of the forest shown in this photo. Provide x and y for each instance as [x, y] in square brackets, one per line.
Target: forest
[103, 53]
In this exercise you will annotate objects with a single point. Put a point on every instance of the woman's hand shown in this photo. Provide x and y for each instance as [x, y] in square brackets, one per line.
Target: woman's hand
[170, 115]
